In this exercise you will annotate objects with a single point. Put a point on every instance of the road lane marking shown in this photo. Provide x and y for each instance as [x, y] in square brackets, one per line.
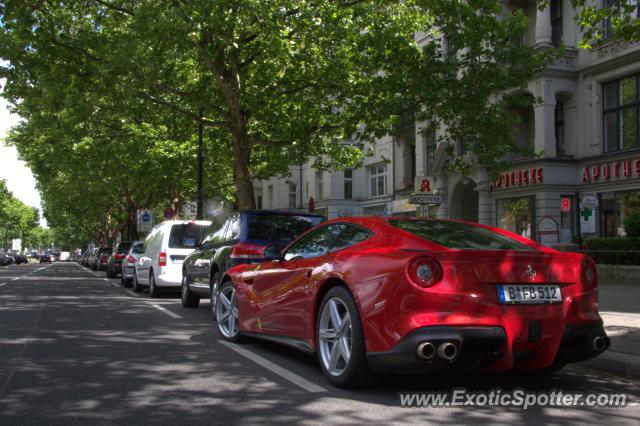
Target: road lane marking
[166, 311]
[265, 363]
[115, 284]
[28, 273]
[1, 284]
[133, 293]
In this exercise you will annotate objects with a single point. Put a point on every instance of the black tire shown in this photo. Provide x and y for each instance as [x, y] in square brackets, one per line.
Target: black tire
[189, 300]
[122, 280]
[136, 285]
[154, 291]
[237, 337]
[213, 294]
[356, 372]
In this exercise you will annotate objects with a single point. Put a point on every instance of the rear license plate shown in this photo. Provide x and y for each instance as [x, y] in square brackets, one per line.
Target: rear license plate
[529, 294]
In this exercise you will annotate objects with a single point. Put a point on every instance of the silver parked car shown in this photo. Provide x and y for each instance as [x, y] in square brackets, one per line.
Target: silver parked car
[129, 263]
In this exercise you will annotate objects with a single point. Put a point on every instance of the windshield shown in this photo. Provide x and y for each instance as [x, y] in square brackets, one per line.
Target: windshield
[278, 228]
[456, 235]
[138, 248]
[188, 235]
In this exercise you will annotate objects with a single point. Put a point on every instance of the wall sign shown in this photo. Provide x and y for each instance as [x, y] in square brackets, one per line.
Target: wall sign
[565, 204]
[519, 178]
[548, 231]
[423, 185]
[615, 170]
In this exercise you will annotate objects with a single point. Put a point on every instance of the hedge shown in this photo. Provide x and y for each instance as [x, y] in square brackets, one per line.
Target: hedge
[614, 250]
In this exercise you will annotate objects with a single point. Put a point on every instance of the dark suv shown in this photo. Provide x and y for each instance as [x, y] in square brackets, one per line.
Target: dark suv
[114, 267]
[234, 239]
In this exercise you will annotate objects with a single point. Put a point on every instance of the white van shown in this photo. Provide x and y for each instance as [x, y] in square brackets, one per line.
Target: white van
[166, 247]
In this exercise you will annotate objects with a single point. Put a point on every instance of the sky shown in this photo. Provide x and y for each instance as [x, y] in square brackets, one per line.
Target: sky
[19, 178]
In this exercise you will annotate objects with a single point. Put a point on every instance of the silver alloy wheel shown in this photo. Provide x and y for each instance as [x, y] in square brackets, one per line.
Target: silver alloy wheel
[227, 312]
[335, 337]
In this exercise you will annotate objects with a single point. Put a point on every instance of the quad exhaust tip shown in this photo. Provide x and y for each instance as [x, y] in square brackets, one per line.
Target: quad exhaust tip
[448, 351]
[601, 343]
[426, 350]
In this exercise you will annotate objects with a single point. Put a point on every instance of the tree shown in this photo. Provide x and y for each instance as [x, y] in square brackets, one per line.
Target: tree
[610, 19]
[16, 218]
[278, 81]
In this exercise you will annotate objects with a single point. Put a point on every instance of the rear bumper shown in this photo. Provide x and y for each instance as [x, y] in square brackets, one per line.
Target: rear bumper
[485, 348]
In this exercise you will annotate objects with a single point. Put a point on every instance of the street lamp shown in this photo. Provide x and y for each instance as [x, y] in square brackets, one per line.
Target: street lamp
[200, 161]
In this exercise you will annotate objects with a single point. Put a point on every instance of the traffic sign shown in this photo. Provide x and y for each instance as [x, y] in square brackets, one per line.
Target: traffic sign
[145, 221]
[425, 199]
[146, 217]
[169, 213]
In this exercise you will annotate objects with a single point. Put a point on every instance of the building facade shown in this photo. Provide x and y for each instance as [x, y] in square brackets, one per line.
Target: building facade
[586, 124]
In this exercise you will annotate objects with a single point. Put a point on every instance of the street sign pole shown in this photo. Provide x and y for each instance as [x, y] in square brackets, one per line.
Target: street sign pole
[200, 165]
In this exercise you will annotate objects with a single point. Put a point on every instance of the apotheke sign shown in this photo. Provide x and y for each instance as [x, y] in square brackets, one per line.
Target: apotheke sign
[615, 170]
[518, 178]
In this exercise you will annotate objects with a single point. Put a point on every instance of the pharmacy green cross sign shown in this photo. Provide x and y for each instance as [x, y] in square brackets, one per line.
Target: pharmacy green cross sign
[586, 214]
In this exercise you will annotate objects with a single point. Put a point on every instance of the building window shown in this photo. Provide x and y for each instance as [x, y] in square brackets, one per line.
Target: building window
[348, 184]
[270, 196]
[556, 22]
[293, 195]
[620, 114]
[559, 128]
[319, 186]
[378, 180]
[515, 215]
[259, 204]
[429, 150]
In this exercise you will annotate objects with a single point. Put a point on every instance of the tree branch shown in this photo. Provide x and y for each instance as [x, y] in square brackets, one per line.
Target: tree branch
[176, 108]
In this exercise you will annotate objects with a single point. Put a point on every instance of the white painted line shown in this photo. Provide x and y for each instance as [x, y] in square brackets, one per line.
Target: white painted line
[133, 293]
[115, 284]
[166, 311]
[621, 357]
[620, 314]
[285, 374]
[1, 284]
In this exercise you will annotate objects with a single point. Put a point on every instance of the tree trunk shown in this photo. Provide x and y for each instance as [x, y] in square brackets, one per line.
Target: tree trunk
[242, 174]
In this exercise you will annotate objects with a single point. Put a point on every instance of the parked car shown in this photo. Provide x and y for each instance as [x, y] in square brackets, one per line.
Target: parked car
[416, 295]
[21, 258]
[45, 258]
[4, 260]
[165, 248]
[129, 263]
[92, 259]
[103, 258]
[235, 239]
[114, 265]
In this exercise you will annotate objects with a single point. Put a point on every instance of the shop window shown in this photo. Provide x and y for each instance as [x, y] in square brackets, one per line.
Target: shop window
[515, 215]
[319, 186]
[628, 204]
[379, 210]
[620, 114]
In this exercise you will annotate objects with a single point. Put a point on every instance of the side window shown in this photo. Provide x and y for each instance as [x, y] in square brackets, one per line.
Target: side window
[314, 244]
[233, 229]
[349, 236]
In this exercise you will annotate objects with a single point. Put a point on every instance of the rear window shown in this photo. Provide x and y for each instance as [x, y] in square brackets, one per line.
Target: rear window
[456, 235]
[123, 247]
[278, 228]
[138, 248]
[187, 235]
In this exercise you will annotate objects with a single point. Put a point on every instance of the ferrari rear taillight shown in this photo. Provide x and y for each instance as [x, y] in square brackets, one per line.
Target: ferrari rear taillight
[247, 251]
[162, 259]
[425, 271]
[131, 259]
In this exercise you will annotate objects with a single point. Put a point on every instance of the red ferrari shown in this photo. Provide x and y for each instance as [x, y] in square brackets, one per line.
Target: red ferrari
[417, 295]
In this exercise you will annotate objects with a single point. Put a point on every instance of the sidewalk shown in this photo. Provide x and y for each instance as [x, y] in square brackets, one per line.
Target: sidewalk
[620, 309]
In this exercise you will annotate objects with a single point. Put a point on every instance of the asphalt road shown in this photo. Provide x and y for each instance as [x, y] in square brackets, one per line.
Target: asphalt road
[76, 348]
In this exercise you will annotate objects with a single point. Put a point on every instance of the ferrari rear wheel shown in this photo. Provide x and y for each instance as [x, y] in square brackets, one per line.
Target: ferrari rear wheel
[340, 340]
[227, 312]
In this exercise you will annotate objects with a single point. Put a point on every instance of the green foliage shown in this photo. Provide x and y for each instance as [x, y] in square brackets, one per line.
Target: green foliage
[609, 20]
[614, 251]
[632, 225]
[17, 219]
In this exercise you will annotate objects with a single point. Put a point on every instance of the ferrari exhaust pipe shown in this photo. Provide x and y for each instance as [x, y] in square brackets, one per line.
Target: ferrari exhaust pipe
[600, 343]
[426, 350]
[448, 351]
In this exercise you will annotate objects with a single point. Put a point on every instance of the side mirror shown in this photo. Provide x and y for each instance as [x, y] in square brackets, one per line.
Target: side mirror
[272, 252]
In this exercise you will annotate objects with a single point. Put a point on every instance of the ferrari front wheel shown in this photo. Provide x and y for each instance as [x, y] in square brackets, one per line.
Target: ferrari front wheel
[226, 309]
[340, 340]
